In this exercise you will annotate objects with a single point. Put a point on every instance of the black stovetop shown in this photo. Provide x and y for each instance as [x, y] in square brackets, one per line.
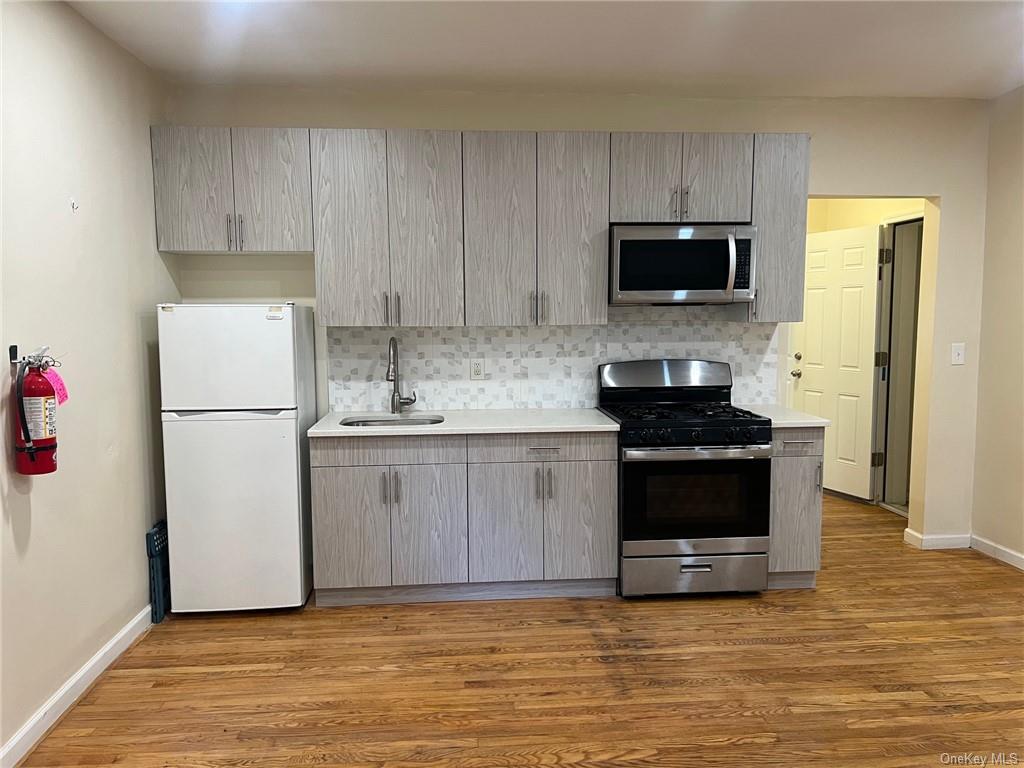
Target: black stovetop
[688, 424]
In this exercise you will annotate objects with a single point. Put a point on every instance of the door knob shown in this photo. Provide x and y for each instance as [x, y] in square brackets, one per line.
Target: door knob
[798, 356]
[796, 373]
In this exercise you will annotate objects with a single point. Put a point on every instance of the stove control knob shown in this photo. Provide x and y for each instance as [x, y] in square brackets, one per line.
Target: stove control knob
[731, 434]
[697, 434]
[665, 435]
[746, 433]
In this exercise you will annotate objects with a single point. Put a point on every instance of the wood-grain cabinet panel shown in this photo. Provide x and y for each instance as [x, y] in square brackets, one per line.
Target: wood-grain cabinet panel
[273, 197]
[580, 533]
[543, 446]
[351, 527]
[506, 522]
[645, 173]
[350, 202]
[368, 451]
[717, 180]
[429, 528]
[798, 441]
[795, 543]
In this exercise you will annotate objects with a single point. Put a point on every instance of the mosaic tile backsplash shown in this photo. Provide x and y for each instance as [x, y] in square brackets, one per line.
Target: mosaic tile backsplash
[534, 367]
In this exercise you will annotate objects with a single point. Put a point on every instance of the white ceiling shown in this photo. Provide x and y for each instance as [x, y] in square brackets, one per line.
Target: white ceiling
[723, 49]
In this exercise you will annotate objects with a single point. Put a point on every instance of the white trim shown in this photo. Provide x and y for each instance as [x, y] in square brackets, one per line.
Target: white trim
[25, 738]
[937, 540]
[998, 551]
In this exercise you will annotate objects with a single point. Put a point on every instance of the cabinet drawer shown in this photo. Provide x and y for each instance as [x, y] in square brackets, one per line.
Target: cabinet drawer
[550, 446]
[374, 451]
[798, 441]
[669, 575]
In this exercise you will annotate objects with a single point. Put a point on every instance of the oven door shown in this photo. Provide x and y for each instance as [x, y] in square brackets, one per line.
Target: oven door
[681, 264]
[695, 501]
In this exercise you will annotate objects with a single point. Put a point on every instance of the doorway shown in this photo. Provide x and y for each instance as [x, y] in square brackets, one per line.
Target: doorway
[852, 357]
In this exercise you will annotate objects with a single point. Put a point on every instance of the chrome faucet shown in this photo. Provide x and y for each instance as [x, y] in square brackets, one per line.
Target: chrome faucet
[397, 401]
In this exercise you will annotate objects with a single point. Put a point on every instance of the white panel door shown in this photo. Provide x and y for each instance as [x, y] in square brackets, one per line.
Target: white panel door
[831, 353]
[234, 520]
[221, 357]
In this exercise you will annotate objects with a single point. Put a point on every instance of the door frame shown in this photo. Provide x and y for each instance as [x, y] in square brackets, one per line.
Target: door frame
[883, 341]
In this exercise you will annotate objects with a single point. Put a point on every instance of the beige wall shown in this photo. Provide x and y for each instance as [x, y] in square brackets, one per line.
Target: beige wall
[76, 112]
[999, 460]
[860, 147]
[828, 213]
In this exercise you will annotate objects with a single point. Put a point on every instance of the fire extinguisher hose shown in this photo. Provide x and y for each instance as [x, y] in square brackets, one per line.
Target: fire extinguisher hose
[19, 390]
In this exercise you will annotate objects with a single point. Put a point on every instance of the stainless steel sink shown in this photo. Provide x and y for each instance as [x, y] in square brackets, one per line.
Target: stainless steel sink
[392, 421]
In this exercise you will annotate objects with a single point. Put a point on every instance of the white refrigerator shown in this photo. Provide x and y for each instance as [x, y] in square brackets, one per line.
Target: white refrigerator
[237, 395]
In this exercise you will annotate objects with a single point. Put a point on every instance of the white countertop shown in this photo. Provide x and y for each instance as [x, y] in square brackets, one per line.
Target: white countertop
[472, 422]
[782, 416]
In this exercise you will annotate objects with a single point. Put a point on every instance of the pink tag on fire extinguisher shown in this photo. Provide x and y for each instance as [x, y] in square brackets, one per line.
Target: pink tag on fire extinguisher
[59, 389]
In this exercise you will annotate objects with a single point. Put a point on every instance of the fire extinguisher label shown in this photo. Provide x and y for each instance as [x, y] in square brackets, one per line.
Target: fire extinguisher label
[41, 413]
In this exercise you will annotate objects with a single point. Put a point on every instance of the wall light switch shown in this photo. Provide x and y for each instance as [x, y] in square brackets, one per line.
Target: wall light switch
[476, 369]
[959, 353]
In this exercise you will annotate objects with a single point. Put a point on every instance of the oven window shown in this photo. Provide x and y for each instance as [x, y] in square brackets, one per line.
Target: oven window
[673, 265]
[695, 499]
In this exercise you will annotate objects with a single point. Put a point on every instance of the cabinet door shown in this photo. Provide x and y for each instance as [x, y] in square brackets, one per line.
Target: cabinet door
[645, 170]
[500, 178]
[506, 522]
[351, 527]
[780, 213]
[425, 222]
[572, 227]
[580, 520]
[429, 525]
[796, 514]
[350, 198]
[195, 203]
[718, 171]
[272, 189]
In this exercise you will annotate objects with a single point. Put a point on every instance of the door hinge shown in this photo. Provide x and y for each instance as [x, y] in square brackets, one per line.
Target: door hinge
[881, 359]
[885, 255]
[877, 459]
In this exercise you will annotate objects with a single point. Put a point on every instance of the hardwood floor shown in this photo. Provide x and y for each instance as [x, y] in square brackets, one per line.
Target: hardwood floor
[898, 657]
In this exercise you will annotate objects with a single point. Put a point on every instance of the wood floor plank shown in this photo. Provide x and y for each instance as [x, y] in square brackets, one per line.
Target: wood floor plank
[897, 657]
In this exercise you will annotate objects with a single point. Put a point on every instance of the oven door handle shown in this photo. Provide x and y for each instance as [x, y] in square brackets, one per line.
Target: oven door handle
[696, 454]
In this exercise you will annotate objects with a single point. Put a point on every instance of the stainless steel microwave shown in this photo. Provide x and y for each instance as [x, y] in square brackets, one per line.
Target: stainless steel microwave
[670, 264]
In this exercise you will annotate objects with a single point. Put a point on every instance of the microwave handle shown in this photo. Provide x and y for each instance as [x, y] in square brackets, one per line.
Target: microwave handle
[732, 263]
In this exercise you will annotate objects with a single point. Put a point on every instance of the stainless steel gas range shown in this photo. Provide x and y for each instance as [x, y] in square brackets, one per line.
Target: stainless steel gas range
[694, 478]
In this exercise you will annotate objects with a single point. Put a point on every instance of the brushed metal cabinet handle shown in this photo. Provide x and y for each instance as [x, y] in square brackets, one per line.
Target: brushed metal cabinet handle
[387, 309]
[821, 475]
[241, 233]
[798, 442]
[543, 448]
[533, 306]
[396, 487]
[231, 239]
[540, 483]
[398, 308]
[695, 569]
[384, 488]
[675, 202]
[686, 201]
[551, 483]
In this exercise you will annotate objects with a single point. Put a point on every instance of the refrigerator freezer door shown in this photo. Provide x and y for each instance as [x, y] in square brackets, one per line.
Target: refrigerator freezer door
[234, 518]
[226, 357]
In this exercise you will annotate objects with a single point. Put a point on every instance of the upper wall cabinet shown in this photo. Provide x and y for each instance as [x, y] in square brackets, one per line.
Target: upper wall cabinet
[350, 204]
[645, 173]
[425, 226]
[195, 203]
[718, 170]
[781, 163]
[232, 189]
[572, 227]
[272, 189]
[670, 177]
[499, 171]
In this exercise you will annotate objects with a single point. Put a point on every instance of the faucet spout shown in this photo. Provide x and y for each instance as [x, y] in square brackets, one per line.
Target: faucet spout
[397, 402]
[392, 374]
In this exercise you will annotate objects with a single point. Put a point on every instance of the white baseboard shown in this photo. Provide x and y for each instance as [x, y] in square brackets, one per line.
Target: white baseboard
[26, 737]
[937, 540]
[998, 551]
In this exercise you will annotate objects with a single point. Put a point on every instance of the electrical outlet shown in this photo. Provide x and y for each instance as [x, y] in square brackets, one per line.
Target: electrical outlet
[476, 369]
[959, 353]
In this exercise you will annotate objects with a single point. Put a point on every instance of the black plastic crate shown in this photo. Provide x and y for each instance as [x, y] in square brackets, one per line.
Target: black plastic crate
[159, 571]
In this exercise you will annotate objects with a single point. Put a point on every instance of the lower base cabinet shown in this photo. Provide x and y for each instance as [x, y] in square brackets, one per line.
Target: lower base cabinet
[506, 522]
[351, 527]
[580, 520]
[428, 524]
[795, 543]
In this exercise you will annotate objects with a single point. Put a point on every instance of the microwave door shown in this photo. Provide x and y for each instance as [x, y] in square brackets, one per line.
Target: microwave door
[673, 265]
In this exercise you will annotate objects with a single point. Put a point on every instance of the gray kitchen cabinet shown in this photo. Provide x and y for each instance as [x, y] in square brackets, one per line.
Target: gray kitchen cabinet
[273, 200]
[499, 171]
[717, 178]
[350, 203]
[192, 188]
[795, 543]
[506, 522]
[424, 170]
[580, 520]
[572, 227]
[781, 170]
[645, 177]
[351, 527]
[428, 524]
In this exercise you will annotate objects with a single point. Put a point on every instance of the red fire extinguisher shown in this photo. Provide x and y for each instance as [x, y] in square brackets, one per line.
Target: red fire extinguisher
[35, 414]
